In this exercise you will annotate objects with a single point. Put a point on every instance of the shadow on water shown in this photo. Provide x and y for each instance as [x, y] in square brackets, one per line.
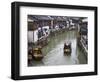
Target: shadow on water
[82, 56]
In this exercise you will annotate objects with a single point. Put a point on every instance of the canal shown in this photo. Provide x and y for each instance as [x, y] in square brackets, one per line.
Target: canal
[53, 52]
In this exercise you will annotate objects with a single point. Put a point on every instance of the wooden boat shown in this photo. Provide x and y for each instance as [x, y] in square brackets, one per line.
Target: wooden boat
[30, 55]
[37, 53]
[67, 48]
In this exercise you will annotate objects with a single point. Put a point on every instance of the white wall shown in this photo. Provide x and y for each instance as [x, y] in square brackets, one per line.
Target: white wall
[5, 41]
[30, 36]
[35, 35]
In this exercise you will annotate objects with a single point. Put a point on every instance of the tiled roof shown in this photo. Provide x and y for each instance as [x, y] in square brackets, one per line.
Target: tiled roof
[58, 18]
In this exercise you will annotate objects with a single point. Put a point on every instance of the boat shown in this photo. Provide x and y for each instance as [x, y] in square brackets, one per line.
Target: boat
[37, 54]
[67, 48]
[30, 55]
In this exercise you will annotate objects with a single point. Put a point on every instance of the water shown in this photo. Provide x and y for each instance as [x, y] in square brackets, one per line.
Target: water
[53, 52]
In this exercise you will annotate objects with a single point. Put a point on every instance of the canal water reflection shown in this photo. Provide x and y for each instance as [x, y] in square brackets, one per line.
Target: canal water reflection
[53, 52]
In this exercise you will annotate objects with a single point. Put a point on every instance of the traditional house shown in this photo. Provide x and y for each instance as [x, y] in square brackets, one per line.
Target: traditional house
[38, 28]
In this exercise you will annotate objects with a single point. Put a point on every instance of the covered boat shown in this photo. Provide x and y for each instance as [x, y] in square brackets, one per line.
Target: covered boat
[67, 48]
